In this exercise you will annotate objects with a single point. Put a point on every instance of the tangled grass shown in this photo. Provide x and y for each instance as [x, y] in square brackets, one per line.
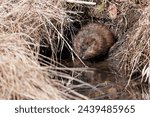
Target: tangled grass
[136, 55]
[24, 24]
[136, 51]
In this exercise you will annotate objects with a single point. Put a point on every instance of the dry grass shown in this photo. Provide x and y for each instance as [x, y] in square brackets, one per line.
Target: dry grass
[23, 25]
[132, 28]
[137, 55]
[136, 50]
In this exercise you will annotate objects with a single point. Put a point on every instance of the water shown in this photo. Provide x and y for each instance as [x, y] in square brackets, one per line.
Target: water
[107, 83]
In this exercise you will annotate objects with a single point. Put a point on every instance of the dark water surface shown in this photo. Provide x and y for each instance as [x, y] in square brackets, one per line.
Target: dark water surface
[107, 83]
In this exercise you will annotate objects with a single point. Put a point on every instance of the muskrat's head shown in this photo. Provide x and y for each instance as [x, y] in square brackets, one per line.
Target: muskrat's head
[93, 42]
[90, 48]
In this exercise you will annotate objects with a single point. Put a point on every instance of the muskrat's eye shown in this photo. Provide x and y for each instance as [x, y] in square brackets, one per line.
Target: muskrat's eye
[89, 41]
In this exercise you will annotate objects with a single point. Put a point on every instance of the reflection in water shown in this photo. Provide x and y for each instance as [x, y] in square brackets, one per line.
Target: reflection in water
[108, 83]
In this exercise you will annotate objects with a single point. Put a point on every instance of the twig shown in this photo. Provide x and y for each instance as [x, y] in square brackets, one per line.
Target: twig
[81, 2]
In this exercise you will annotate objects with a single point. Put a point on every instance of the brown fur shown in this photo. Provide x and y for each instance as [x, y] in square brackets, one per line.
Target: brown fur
[93, 40]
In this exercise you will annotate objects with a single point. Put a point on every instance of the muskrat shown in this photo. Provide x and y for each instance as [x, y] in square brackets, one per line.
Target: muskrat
[93, 40]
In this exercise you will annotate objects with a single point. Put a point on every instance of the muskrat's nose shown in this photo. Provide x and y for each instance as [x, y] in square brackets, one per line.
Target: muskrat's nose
[83, 57]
